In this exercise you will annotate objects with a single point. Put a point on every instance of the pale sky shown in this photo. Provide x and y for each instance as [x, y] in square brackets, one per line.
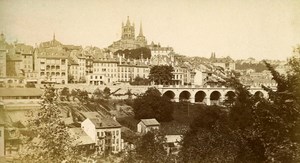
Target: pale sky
[238, 28]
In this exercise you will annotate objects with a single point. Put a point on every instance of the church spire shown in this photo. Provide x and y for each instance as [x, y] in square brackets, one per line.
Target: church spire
[53, 36]
[128, 22]
[141, 29]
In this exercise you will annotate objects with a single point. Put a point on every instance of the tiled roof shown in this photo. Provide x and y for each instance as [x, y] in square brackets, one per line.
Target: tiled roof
[51, 43]
[24, 49]
[101, 122]
[81, 138]
[20, 92]
[150, 122]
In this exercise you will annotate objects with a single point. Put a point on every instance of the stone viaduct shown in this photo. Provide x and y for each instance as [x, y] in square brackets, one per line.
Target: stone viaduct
[208, 95]
[193, 94]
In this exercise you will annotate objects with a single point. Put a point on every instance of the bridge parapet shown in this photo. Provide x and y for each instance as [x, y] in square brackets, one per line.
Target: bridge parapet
[207, 94]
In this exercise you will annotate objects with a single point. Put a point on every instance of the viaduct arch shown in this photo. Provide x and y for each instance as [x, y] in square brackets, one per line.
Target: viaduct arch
[205, 95]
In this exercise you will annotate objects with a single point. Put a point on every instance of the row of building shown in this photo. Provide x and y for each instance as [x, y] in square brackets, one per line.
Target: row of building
[54, 62]
[57, 63]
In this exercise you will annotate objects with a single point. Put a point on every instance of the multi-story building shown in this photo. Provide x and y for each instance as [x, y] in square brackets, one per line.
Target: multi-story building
[14, 65]
[97, 79]
[128, 71]
[26, 53]
[105, 132]
[157, 49]
[73, 68]
[51, 62]
[51, 67]
[106, 67]
[80, 59]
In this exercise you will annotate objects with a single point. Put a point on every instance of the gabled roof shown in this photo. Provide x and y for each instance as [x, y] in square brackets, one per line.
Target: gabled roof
[100, 121]
[150, 122]
[20, 92]
[81, 138]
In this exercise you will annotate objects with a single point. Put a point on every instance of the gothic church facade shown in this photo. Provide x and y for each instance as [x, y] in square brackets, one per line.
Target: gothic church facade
[128, 39]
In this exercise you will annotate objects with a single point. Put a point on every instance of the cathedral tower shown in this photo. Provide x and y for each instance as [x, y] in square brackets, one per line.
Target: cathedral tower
[128, 31]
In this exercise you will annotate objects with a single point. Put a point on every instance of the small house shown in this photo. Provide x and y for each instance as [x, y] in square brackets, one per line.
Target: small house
[146, 125]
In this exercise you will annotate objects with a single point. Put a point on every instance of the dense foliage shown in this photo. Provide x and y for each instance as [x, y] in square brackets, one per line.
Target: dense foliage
[149, 149]
[65, 94]
[161, 74]
[135, 53]
[210, 139]
[51, 141]
[152, 105]
[258, 67]
[254, 129]
[140, 81]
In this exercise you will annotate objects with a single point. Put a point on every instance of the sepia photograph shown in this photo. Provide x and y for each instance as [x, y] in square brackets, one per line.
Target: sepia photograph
[149, 81]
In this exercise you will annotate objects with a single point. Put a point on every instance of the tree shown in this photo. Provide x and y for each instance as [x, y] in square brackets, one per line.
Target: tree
[255, 129]
[149, 149]
[51, 141]
[65, 93]
[269, 126]
[152, 105]
[135, 53]
[210, 139]
[98, 94]
[106, 93]
[161, 74]
[74, 94]
[83, 96]
[140, 81]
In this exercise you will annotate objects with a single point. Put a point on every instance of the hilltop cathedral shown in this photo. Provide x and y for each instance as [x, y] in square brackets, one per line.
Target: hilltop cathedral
[128, 39]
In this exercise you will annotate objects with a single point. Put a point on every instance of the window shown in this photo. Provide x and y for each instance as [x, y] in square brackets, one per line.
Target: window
[117, 148]
[117, 132]
[98, 134]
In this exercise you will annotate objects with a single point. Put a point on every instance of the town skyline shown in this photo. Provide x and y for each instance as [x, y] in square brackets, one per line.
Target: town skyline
[262, 30]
